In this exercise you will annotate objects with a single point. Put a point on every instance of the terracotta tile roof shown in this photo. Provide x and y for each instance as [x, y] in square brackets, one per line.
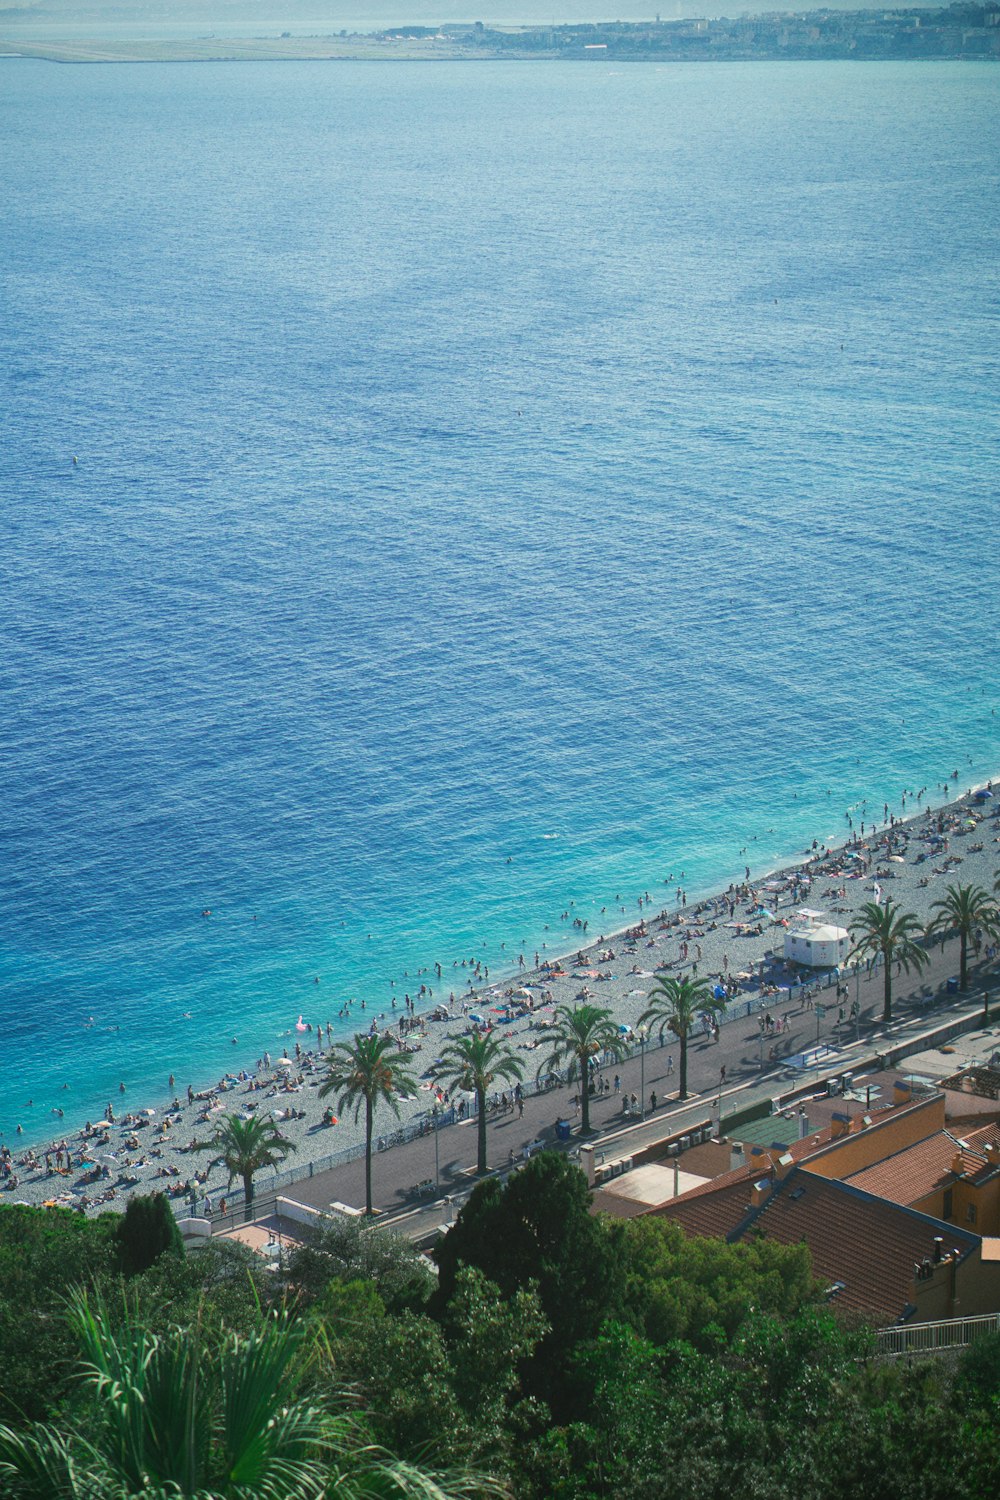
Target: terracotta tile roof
[616, 1207]
[863, 1244]
[983, 1135]
[921, 1169]
[819, 1140]
[962, 1106]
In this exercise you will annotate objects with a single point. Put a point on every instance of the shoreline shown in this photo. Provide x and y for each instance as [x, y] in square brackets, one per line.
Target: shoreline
[148, 1149]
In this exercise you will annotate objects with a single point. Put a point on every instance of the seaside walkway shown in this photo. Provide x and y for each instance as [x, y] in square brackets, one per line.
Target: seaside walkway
[422, 1181]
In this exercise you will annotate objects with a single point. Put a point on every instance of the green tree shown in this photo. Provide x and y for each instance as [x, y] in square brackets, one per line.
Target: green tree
[474, 1063]
[964, 908]
[579, 1034]
[673, 1005]
[244, 1147]
[148, 1230]
[178, 1414]
[369, 1071]
[889, 933]
[441, 1392]
[678, 1287]
[345, 1250]
[43, 1253]
[537, 1230]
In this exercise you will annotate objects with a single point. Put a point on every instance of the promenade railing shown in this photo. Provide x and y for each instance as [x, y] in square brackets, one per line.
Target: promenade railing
[929, 1338]
[794, 991]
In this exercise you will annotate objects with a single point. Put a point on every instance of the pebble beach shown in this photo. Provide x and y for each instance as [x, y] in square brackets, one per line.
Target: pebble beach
[735, 937]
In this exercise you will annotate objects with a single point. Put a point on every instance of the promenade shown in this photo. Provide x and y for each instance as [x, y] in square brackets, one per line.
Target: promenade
[447, 1163]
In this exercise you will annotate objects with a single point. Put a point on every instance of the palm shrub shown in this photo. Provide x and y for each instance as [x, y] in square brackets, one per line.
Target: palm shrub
[673, 1005]
[244, 1147]
[964, 909]
[367, 1072]
[191, 1416]
[580, 1034]
[474, 1063]
[889, 933]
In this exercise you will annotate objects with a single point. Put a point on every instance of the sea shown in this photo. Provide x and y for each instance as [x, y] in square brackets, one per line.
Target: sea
[441, 503]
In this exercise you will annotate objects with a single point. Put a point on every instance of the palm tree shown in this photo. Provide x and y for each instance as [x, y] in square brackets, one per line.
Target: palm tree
[964, 908]
[246, 1145]
[579, 1035]
[184, 1413]
[890, 933]
[474, 1063]
[674, 1003]
[371, 1070]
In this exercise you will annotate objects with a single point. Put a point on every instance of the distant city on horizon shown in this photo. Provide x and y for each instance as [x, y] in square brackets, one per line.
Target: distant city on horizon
[957, 31]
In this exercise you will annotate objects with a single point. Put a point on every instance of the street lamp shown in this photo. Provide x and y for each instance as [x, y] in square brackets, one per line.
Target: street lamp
[437, 1169]
[642, 1071]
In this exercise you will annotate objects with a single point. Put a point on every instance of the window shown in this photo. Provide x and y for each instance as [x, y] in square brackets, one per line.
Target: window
[970, 1213]
[946, 1211]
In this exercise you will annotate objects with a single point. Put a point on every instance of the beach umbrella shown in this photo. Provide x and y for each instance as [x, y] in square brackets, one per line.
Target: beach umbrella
[284, 1062]
[476, 1017]
[896, 859]
[982, 795]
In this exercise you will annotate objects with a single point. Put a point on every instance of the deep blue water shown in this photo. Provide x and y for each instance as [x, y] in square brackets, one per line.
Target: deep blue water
[498, 486]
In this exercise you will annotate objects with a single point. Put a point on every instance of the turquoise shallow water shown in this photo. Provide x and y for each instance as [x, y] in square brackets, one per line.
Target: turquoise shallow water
[498, 487]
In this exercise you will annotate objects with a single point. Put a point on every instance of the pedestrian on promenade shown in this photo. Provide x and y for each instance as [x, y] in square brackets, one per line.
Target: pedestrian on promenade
[652, 1103]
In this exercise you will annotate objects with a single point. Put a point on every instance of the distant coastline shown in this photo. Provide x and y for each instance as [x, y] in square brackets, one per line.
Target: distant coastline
[955, 32]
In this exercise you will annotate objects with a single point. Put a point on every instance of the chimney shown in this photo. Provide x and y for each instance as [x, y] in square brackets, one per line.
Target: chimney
[783, 1166]
[901, 1092]
[957, 1165]
[840, 1125]
[760, 1192]
[992, 1153]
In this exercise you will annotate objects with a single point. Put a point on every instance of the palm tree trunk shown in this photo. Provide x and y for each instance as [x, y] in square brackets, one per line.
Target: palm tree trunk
[247, 1197]
[368, 1157]
[481, 1132]
[963, 962]
[682, 1043]
[584, 1096]
[886, 988]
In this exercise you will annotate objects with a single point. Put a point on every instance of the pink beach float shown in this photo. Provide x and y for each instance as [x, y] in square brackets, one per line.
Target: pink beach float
[300, 1025]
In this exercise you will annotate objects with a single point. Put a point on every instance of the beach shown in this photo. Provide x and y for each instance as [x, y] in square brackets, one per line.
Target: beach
[734, 937]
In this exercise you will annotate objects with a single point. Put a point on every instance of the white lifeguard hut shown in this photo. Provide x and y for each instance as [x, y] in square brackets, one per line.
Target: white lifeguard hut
[815, 942]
